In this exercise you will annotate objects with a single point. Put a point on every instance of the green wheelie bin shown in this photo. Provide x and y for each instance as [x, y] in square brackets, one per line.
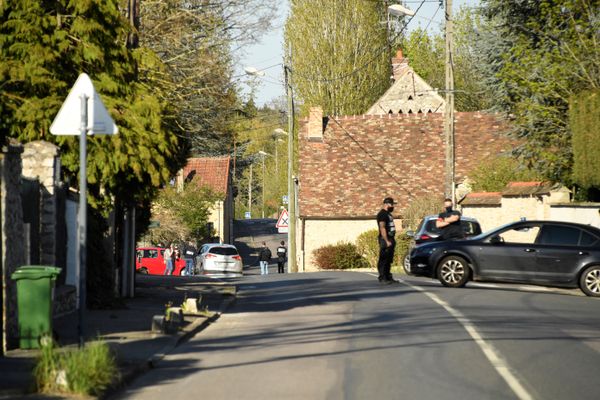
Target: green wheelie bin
[35, 291]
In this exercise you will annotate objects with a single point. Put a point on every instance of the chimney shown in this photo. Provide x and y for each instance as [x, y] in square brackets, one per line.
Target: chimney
[399, 65]
[315, 124]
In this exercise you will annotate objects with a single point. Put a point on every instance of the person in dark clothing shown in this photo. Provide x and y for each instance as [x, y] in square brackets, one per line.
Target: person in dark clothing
[264, 256]
[449, 222]
[281, 257]
[387, 241]
[189, 254]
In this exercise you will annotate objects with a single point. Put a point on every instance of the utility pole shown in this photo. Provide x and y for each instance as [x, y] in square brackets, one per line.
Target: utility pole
[250, 191]
[449, 111]
[292, 266]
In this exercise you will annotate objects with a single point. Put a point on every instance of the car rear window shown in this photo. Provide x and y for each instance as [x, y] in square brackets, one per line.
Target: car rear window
[223, 251]
[560, 235]
[469, 227]
[588, 239]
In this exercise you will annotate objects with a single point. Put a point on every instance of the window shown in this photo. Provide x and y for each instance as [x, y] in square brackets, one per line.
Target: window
[522, 234]
[225, 251]
[588, 239]
[150, 253]
[560, 235]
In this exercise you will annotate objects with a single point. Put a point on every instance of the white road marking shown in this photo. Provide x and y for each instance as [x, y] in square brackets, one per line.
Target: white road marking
[488, 350]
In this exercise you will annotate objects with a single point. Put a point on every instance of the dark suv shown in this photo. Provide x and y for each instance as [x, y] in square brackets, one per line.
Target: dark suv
[427, 231]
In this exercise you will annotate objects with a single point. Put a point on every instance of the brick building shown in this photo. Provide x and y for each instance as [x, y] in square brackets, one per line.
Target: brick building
[214, 173]
[347, 165]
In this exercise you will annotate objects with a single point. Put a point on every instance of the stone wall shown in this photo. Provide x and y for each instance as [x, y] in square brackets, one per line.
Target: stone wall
[12, 238]
[41, 161]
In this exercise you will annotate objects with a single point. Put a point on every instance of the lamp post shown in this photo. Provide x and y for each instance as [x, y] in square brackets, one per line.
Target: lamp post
[449, 182]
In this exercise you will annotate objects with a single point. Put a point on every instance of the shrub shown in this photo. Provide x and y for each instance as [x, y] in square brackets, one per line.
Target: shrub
[85, 371]
[368, 247]
[342, 255]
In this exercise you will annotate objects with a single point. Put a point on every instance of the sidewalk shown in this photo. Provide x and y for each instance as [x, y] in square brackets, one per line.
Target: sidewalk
[127, 330]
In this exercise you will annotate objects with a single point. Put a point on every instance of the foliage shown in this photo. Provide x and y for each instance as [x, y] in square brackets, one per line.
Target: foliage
[45, 45]
[494, 174]
[419, 208]
[367, 245]
[254, 135]
[342, 255]
[426, 52]
[340, 58]
[584, 119]
[539, 54]
[183, 216]
[86, 371]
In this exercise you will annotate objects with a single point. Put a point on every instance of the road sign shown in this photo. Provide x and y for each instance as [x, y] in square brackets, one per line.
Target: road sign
[284, 199]
[284, 219]
[247, 215]
[99, 121]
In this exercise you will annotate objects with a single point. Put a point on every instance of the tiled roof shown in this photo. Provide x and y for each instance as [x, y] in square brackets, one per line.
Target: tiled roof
[211, 172]
[527, 188]
[361, 160]
[482, 199]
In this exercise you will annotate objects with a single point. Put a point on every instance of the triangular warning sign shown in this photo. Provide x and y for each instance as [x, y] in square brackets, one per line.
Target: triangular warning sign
[68, 119]
[284, 220]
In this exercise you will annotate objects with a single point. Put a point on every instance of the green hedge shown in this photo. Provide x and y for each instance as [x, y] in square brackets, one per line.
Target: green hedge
[368, 246]
[584, 120]
[342, 255]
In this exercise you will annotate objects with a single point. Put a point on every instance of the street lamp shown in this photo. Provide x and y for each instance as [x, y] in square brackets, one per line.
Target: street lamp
[449, 183]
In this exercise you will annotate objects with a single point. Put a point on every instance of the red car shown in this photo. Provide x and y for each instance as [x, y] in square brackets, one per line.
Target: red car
[149, 260]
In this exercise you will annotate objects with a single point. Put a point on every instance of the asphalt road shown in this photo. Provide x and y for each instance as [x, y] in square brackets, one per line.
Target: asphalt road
[341, 335]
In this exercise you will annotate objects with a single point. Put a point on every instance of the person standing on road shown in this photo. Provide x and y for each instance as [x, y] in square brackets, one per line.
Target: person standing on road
[281, 257]
[387, 241]
[449, 222]
[168, 257]
[189, 254]
[264, 257]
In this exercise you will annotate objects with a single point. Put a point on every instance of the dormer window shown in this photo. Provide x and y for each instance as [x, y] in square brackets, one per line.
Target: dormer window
[390, 112]
[400, 111]
[429, 112]
[410, 97]
[420, 112]
[410, 111]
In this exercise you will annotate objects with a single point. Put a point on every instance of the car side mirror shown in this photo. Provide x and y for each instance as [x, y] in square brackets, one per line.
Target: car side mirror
[496, 239]
[410, 233]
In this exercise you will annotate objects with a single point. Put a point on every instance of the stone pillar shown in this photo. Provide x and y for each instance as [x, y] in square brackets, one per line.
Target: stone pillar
[12, 238]
[41, 162]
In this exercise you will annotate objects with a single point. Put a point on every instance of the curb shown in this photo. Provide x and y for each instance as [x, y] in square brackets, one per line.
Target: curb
[190, 331]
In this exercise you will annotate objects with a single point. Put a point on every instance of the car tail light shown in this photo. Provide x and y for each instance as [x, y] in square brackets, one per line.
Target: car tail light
[237, 258]
[424, 237]
[209, 255]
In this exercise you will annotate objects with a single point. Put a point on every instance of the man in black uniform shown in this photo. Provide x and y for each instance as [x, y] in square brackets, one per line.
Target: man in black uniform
[387, 243]
[449, 222]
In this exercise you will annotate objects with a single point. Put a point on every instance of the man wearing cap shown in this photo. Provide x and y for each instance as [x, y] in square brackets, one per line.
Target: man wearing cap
[387, 242]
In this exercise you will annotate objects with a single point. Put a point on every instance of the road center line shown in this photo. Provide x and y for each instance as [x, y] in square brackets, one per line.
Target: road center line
[488, 350]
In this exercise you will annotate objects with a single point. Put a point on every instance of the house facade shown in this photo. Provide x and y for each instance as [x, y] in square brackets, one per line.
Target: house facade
[214, 173]
[349, 164]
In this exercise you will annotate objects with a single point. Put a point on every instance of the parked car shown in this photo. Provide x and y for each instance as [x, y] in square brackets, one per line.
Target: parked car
[427, 231]
[549, 253]
[150, 260]
[218, 258]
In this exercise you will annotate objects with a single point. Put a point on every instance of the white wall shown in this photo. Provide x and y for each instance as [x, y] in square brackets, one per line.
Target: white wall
[318, 233]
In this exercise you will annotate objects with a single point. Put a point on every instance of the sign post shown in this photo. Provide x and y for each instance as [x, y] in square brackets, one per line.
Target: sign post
[83, 100]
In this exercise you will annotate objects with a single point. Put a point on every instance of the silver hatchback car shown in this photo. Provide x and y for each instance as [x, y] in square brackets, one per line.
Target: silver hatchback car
[218, 258]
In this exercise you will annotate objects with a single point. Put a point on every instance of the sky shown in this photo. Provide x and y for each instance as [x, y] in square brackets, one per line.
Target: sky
[267, 55]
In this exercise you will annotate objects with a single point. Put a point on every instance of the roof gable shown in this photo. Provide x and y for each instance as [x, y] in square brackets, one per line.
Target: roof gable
[211, 172]
[409, 94]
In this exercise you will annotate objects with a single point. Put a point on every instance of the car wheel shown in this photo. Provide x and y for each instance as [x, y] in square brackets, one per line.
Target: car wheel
[182, 272]
[453, 271]
[406, 264]
[143, 271]
[589, 282]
